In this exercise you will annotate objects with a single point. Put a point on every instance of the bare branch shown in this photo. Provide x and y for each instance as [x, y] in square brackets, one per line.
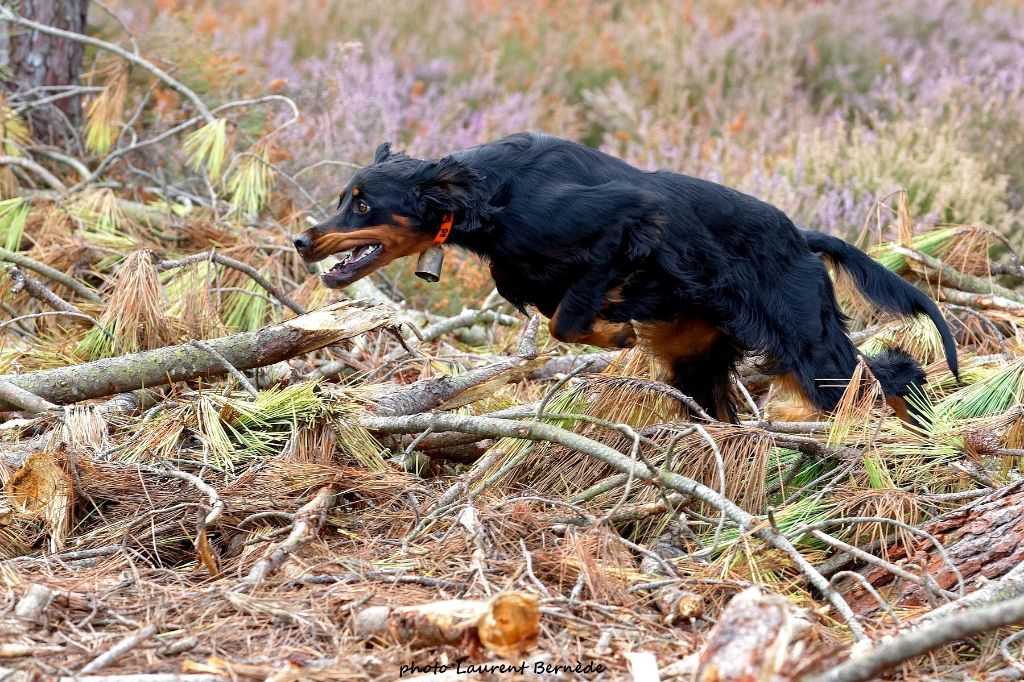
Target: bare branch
[24, 400]
[229, 262]
[50, 273]
[119, 649]
[921, 641]
[28, 164]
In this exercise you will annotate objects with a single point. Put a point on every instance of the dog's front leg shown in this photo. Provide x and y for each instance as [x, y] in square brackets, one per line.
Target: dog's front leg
[576, 320]
[616, 226]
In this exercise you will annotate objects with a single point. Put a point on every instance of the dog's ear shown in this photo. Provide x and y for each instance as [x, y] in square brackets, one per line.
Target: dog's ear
[450, 185]
[383, 153]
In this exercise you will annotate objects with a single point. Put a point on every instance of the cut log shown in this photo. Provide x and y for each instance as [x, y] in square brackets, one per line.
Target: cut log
[246, 350]
[753, 640]
[983, 539]
[506, 625]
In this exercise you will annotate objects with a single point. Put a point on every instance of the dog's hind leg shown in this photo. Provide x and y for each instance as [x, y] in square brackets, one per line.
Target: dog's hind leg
[824, 362]
[698, 360]
[709, 381]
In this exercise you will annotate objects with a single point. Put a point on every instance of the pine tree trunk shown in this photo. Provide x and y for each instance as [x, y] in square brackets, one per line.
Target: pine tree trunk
[983, 539]
[37, 59]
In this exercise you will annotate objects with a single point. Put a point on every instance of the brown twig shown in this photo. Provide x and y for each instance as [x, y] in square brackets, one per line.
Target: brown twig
[308, 520]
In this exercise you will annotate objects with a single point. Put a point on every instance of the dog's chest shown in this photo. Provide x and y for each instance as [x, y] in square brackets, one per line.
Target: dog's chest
[537, 283]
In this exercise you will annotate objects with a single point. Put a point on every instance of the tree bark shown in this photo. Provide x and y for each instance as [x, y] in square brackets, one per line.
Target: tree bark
[37, 59]
[983, 539]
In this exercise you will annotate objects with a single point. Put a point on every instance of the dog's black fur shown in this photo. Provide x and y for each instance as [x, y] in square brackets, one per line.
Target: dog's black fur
[698, 272]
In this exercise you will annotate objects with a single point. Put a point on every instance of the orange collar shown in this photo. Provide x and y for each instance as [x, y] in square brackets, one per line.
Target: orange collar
[445, 229]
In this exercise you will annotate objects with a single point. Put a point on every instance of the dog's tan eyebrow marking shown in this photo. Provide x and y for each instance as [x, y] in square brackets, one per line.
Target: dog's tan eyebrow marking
[355, 191]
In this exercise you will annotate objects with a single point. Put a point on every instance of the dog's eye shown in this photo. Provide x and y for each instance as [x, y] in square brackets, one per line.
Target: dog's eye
[362, 206]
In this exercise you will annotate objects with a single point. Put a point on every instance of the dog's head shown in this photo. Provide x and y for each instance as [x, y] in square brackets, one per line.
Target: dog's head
[390, 209]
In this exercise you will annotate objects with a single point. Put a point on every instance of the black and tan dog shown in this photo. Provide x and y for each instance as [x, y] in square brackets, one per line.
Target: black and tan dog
[697, 273]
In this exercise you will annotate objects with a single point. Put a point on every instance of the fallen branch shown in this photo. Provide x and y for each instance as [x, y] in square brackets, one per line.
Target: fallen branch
[980, 540]
[30, 165]
[921, 641]
[752, 639]
[51, 273]
[563, 364]
[119, 649]
[467, 318]
[506, 625]
[1008, 587]
[22, 399]
[960, 280]
[983, 301]
[38, 291]
[495, 428]
[461, 389]
[246, 350]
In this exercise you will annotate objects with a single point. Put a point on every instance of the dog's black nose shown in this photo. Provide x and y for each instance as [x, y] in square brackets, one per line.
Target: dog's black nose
[301, 241]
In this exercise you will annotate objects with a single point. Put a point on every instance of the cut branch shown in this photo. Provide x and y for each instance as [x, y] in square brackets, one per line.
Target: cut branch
[246, 350]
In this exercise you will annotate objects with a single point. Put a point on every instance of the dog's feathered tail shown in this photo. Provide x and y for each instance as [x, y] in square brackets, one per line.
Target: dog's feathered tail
[885, 289]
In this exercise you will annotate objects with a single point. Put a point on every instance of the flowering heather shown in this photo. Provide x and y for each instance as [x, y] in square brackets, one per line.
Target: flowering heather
[822, 108]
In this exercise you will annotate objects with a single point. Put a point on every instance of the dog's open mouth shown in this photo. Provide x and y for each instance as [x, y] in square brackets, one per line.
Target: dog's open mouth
[351, 262]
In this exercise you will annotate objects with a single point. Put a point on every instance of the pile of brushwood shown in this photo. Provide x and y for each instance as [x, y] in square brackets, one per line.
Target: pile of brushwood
[214, 469]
